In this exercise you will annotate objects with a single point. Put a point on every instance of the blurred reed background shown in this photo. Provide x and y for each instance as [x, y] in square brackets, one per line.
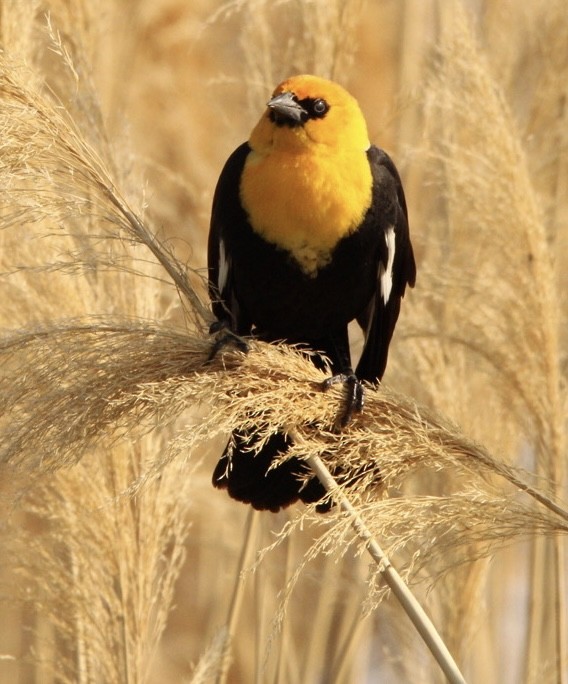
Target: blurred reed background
[125, 567]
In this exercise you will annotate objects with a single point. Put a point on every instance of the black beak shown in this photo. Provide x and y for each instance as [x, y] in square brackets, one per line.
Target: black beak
[286, 109]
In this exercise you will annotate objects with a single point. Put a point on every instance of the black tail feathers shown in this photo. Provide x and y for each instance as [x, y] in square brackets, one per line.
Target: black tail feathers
[247, 477]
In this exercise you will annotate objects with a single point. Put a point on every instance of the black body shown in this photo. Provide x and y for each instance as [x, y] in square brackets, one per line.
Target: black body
[266, 293]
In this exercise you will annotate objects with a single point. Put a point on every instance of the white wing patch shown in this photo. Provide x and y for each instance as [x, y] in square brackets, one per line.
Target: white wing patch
[223, 267]
[385, 273]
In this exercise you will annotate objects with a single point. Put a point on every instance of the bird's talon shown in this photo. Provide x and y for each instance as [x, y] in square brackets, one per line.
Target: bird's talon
[358, 396]
[328, 383]
[217, 326]
[225, 338]
[355, 399]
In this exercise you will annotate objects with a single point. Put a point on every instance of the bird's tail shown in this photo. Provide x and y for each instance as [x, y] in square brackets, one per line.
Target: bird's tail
[247, 476]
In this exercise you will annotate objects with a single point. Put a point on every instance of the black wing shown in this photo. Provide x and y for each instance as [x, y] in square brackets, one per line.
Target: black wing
[226, 212]
[396, 267]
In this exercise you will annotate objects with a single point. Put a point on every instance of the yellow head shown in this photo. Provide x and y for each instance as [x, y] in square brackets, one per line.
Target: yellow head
[307, 182]
[307, 110]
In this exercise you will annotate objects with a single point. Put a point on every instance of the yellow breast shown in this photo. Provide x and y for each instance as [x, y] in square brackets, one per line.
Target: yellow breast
[305, 200]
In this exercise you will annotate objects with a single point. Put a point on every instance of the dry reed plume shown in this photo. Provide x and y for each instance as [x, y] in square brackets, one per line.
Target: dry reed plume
[108, 403]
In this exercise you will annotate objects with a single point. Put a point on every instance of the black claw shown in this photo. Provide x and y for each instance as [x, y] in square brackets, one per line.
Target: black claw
[217, 326]
[355, 399]
[225, 337]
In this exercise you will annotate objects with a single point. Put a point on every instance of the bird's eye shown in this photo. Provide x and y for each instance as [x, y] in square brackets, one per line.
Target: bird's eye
[320, 107]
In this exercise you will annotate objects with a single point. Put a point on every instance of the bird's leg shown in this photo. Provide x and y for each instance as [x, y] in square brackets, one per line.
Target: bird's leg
[225, 337]
[355, 399]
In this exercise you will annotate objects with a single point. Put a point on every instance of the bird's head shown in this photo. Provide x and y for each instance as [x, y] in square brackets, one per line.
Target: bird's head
[306, 111]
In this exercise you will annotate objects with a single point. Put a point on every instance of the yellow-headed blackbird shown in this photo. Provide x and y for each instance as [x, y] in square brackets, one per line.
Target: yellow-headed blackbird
[309, 231]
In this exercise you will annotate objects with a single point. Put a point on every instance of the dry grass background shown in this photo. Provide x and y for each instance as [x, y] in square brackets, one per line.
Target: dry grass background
[120, 562]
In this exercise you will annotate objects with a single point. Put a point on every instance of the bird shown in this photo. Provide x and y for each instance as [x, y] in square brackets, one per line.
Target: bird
[308, 232]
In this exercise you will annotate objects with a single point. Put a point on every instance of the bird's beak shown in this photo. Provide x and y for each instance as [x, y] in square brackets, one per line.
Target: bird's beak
[287, 108]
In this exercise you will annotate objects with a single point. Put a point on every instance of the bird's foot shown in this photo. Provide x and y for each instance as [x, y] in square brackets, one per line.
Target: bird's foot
[225, 337]
[355, 397]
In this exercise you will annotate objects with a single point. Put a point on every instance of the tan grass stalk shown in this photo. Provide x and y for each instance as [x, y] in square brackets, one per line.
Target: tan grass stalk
[322, 617]
[285, 646]
[482, 154]
[208, 666]
[95, 569]
[274, 387]
[410, 605]
[103, 579]
[165, 371]
[237, 595]
[45, 155]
